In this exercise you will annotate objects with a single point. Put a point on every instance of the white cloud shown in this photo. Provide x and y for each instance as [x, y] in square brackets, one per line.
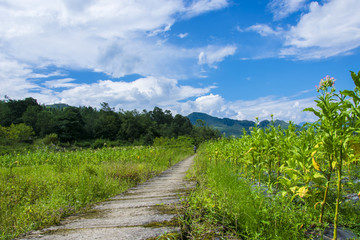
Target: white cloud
[284, 108]
[60, 83]
[141, 93]
[201, 6]
[113, 37]
[265, 30]
[183, 35]
[214, 54]
[283, 8]
[80, 34]
[326, 30]
[13, 77]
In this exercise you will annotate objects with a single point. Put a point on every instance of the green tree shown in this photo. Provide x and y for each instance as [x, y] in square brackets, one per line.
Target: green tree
[30, 117]
[45, 123]
[70, 125]
[89, 116]
[181, 126]
[107, 125]
[134, 125]
[4, 114]
[18, 107]
[20, 133]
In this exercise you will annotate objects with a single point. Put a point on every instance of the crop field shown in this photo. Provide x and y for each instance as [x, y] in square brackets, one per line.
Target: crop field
[283, 184]
[252, 188]
[39, 187]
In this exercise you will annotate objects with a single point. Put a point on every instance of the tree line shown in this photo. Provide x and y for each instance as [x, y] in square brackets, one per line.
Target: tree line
[26, 119]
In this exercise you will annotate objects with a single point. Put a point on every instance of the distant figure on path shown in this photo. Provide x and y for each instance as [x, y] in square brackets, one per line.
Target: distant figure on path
[195, 148]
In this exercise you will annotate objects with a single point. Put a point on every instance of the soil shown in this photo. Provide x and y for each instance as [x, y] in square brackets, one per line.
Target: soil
[145, 211]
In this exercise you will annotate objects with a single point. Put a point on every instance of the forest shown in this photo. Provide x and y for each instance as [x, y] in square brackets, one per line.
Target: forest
[23, 121]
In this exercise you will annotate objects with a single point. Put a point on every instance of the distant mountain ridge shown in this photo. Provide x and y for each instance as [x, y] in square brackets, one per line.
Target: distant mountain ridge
[58, 105]
[231, 127]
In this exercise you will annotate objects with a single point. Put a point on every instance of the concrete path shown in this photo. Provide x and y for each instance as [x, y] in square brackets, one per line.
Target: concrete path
[145, 211]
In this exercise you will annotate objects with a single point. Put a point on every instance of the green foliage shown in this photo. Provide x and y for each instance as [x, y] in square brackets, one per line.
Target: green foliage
[51, 139]
[38, 188]
[296, 176]
[86, 124]
[227, 205]
[16, 133]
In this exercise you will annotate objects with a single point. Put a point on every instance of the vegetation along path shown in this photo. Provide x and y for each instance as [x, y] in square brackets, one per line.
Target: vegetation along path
[145, 211]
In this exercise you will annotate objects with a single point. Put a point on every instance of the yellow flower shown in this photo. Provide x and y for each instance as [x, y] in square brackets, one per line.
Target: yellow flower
[302, 191]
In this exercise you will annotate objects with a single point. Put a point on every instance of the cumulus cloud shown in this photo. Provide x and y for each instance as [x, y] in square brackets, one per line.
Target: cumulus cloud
[284, 108]
[142, 93]
[207, 104]
[117, 38]
[283, 8]
[81, 34]
[148, 91]
[327, 30]
[18, 80]
[214, 54]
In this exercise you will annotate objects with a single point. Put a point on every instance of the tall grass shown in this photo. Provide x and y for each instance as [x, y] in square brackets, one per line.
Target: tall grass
[230, 203]
[40, 187]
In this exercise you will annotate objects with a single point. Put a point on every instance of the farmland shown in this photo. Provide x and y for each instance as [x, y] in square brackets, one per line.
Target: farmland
[282, 183]
[40, 187]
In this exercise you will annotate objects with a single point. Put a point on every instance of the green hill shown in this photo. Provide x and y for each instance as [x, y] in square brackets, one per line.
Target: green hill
[58, 106]
[230, 127]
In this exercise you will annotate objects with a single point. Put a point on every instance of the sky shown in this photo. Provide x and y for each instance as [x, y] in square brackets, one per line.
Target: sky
[239, 59]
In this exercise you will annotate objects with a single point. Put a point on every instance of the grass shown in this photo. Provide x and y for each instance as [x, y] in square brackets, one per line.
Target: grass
[40, 187]
[227, 205]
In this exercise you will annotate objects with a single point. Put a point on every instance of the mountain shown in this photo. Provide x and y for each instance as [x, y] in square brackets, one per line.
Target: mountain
[58, 106]
[231, 127]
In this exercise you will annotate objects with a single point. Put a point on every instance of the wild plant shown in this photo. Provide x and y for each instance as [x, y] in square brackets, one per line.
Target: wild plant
[335, 134]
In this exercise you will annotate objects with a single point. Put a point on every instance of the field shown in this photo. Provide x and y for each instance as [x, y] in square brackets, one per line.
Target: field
[39, 187]
[271, 193]
[278, 183]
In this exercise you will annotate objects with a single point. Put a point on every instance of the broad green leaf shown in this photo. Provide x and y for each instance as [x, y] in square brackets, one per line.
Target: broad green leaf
[356, 78]
[313, 111]
[318, 175]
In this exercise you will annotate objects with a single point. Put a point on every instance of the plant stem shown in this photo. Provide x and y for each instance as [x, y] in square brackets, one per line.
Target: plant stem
[324, 201]
[326, 191]
[338, 196]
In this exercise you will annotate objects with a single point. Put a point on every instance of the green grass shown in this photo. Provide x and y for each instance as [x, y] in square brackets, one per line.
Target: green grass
[40, 187]
[227, 205]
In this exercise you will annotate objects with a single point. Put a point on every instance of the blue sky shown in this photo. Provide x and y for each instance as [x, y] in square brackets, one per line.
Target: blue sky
[237, 59]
